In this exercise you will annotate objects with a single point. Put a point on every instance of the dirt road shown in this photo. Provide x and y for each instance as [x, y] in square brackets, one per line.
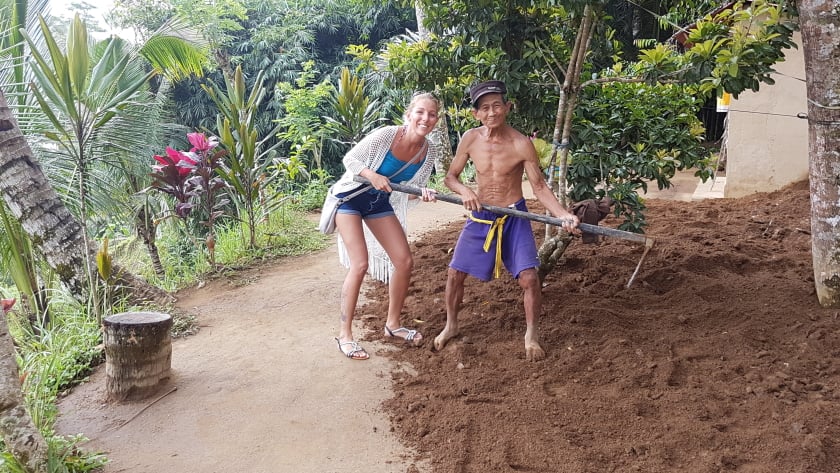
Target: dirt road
[262, 387]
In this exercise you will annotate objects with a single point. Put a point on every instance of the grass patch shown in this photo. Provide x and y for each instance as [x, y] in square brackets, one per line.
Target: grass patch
[289, 231]
[50, 360]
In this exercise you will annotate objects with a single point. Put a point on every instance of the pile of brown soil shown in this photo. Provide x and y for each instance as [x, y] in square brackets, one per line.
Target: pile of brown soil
[717, 358]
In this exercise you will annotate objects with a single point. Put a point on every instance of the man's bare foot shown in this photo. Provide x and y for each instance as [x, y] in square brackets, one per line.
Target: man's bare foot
[444, 336]
[533, 350]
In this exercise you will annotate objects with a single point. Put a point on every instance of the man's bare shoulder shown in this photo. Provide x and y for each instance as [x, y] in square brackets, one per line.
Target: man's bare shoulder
[517, 136]
[471, 134]
[469, 139]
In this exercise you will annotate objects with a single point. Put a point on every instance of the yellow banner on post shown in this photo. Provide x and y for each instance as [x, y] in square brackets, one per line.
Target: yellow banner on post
[723, 102]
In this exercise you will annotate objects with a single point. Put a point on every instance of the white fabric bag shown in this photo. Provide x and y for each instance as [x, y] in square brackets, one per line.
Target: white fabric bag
[327, 223]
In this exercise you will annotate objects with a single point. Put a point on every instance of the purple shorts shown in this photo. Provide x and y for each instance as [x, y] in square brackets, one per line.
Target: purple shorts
[519, 250]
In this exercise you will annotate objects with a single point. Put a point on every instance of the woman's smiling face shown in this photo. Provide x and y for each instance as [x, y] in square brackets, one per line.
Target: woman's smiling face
[423, 115]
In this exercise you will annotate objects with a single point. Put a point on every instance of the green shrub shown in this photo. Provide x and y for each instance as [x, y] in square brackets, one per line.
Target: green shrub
[629, 134]
[50, 360]
[311, 196]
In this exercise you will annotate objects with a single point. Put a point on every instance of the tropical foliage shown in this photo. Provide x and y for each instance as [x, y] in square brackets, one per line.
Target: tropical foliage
[267, 95]
[532, 46]
[655, 132]
[251, 154]
[275, 39]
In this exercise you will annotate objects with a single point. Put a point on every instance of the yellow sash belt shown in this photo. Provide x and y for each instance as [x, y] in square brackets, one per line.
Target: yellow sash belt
[495, 231]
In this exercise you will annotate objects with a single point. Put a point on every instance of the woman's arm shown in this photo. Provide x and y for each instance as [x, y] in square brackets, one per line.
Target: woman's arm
[365, 152]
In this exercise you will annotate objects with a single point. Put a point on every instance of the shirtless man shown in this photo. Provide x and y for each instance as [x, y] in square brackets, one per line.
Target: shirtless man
[500, 155]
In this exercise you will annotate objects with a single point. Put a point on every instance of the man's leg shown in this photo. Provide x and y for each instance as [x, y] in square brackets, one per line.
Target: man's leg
[454, 298]
[532, 298]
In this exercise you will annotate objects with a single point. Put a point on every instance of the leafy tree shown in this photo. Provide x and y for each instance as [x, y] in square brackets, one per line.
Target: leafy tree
[614, 161]
[143, 16]
[548, 53]
[301, 125]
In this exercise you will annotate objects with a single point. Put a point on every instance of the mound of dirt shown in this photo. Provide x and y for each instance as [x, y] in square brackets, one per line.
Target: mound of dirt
[717, 358]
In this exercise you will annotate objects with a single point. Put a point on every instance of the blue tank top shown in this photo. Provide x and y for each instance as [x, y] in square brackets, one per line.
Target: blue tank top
[391, 165]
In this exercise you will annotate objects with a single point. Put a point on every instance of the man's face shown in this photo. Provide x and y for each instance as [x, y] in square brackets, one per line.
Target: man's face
[492, 110]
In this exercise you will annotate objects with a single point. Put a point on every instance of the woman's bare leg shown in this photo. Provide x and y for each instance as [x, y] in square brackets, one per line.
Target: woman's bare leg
[391, 236]
[350, 228]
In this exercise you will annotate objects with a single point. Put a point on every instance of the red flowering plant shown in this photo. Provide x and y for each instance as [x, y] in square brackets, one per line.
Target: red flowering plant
[7, 304]
[191, 178]
[170, 177]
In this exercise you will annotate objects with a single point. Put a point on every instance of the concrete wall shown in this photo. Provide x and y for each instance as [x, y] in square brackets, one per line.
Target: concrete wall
[766, 144]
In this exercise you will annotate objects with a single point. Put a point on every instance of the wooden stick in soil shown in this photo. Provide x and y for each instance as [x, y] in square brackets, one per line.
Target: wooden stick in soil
[172, 390]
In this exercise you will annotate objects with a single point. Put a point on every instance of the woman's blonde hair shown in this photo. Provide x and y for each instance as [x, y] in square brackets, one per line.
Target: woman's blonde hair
[422, 96]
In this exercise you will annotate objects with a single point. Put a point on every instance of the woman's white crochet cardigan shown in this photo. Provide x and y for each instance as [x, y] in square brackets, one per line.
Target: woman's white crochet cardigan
[370, 154]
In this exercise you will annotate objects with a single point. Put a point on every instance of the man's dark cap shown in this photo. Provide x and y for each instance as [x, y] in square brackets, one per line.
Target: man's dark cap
[490, 87]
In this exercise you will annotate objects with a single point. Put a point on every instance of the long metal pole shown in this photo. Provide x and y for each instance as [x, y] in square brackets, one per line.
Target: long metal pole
[584, 227]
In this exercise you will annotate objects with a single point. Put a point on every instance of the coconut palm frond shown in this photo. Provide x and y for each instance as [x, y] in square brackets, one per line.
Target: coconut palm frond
[178, 27]
[177, 51]
[126, 147]
[61, 172]
[174, 58]
[17, 15]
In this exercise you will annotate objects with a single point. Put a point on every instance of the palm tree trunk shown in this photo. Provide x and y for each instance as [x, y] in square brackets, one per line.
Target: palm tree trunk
[146, 230]
[33, 202]
[43, 216]
[819, 20]
[21, 436]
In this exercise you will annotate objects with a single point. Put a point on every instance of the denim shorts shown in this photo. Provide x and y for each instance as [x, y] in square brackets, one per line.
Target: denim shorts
[370, 204]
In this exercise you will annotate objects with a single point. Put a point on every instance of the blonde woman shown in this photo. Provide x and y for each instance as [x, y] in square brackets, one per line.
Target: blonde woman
[399, 154]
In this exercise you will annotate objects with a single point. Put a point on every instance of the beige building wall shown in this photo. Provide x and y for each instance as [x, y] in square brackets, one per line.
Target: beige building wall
[766, 144]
